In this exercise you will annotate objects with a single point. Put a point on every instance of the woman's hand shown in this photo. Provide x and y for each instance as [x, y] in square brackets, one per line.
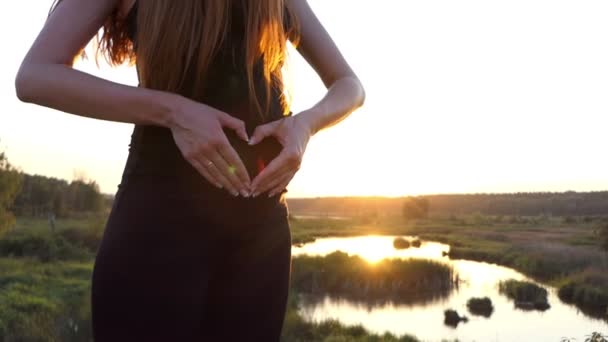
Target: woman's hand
[293, 132]
[198, 132]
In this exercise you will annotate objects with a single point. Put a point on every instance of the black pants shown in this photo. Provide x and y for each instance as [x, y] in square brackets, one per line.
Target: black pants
[181, 260]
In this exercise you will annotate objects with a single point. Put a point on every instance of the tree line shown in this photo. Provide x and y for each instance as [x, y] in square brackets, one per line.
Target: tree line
[515, 204]
[10, 184]
[40, 196]
[22, 194]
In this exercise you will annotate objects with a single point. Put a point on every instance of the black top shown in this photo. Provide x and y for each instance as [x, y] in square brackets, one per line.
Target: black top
[227, 88]
[153, 150]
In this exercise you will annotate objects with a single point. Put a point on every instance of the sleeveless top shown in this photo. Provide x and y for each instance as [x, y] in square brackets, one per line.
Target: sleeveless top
[153, 150]
[227, 87]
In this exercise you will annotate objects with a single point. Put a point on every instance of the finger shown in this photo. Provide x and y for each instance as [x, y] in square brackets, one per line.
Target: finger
[262, 132]
[230, 155]
[275, 167]
[228, 171]
[277, 189]
[277, 184]
[206, 173]
[215, 172]
[272, 181]
[235, 124]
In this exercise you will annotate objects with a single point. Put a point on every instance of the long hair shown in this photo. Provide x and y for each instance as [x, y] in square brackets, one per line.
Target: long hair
[176, 38]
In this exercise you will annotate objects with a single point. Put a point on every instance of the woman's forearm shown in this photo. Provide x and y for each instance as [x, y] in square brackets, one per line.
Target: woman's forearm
[69, 90]
[342, 98]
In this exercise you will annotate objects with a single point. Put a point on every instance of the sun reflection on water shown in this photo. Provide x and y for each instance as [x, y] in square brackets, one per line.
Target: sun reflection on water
[372, 248]
[426, 319]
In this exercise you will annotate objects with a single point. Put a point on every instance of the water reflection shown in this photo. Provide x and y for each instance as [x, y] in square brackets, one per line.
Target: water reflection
[372, 248]
[425, 318]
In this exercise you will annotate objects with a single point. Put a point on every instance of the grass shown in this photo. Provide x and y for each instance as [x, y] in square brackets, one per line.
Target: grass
[480, 306]
[44, 290]
[398, 281]
[560, 252]
[44, 301]
[48, 302]
[526, 295]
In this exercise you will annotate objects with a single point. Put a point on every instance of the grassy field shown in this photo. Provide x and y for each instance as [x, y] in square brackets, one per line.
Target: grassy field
[44, 275]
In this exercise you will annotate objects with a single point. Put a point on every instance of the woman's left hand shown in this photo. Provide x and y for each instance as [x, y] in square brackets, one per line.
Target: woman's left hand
[293, 132]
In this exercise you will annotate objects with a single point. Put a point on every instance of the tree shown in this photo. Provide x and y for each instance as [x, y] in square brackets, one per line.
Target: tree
[415, 208]
[10, 185]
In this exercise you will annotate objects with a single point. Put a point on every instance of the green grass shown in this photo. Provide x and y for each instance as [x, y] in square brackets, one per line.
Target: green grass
[44, 301]
[526, 295]
[44, 287]
[398, 281]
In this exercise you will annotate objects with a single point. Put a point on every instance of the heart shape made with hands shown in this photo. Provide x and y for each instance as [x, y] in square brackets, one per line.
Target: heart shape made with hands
[254, 157]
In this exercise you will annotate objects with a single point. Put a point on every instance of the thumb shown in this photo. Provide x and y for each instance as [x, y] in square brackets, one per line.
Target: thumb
[235, 124]
[261, 132]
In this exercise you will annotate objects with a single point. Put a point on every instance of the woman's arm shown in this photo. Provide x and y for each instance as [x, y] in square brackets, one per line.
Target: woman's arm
[46, 78]
[345, 94]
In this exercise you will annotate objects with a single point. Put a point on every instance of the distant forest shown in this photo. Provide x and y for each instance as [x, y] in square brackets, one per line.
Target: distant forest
[41, 196]
[22, 194]
[516, 204]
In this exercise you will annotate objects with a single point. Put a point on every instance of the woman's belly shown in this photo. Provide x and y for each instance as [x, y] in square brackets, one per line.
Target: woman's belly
[155, 162]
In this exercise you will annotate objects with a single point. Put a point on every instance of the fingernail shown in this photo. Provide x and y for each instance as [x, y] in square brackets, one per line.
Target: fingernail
[255, 194]
[244, 193]
[235, 193]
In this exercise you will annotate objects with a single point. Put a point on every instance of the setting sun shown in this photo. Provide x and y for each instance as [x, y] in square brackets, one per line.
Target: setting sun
[451, 108]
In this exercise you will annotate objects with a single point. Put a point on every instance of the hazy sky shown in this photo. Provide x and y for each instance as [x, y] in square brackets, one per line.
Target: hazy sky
[462, 96]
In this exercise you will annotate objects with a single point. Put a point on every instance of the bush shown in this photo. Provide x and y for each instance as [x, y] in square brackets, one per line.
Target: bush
[526, 295]
[480, 306]
[452, 318]
[401, 243]
[42, 246]
[588, 290]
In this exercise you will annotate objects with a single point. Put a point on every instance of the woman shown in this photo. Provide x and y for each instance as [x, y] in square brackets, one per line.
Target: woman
[197, 245]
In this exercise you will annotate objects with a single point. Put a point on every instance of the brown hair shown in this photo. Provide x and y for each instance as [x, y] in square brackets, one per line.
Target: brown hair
[187, 35]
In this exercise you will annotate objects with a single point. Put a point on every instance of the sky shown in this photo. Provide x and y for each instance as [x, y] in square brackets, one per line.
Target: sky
[463, 96]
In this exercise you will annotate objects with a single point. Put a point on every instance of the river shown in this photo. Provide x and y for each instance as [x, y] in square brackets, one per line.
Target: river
[425, 320]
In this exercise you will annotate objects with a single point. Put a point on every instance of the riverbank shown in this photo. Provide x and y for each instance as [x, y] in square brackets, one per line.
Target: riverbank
[562, 252]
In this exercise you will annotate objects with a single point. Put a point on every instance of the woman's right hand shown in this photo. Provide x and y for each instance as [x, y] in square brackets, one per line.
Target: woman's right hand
[198, 132]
